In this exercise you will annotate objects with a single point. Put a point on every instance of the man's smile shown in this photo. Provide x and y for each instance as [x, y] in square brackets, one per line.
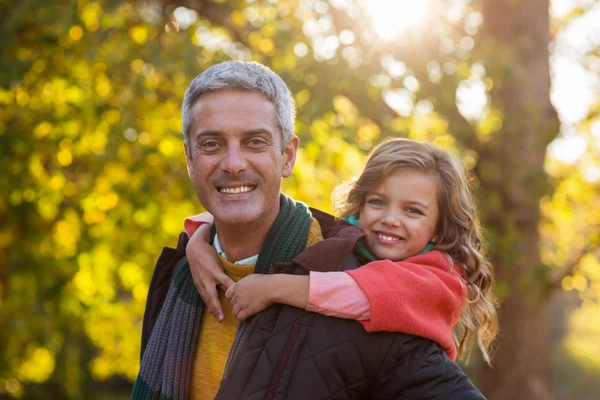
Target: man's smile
[236, 190]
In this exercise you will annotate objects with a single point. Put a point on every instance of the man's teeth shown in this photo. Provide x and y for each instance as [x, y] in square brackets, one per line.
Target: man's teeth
[241, 189]
[389, 238]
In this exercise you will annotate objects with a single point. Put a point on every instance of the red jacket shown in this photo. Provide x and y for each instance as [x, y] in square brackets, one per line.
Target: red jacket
[422, 295]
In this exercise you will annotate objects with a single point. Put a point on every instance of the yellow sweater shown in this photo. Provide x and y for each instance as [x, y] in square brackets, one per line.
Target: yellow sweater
[216, 338]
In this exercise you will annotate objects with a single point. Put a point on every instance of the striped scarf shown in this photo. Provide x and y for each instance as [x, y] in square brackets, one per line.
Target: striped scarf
[166, 368]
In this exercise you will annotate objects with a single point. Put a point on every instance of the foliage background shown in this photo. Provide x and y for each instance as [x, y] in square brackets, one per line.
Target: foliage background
[94, 182]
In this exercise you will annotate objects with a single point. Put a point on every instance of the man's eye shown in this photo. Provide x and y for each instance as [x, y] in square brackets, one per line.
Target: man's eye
[210, 144]
[256, 142]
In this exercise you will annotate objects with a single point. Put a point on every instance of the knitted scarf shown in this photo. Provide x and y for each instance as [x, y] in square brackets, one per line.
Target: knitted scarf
[166, 368]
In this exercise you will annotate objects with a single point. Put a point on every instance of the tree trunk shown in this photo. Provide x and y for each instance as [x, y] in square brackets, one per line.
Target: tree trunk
[514, 41]
[521, 362]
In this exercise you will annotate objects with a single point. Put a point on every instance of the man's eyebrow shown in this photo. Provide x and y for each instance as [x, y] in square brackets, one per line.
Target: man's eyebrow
[215, 132]
[209, 132]
[257, 131]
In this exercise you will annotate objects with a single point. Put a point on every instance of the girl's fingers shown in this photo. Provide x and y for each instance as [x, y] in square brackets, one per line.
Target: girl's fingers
[211, 299]
[224, 281]
[242, 315]
[230, 292]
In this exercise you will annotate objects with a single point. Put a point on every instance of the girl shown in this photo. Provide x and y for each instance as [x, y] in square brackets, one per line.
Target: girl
[428, 271]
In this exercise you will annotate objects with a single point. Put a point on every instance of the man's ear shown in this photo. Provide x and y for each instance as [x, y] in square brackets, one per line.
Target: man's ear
[289, 156]
[190, 168]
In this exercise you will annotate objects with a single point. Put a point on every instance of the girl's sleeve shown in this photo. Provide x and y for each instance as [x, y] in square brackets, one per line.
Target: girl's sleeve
[336, 294]
[422, 295]
[191, 224]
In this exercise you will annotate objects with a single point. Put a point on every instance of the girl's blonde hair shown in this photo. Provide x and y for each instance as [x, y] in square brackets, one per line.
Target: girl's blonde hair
[458, 234]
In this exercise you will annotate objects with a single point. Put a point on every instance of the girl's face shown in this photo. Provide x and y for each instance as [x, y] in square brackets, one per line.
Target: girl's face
[400, 216]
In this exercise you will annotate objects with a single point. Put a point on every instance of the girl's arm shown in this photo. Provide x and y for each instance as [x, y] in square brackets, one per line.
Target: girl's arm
[205, 266]
[336, 294]
[332, 293]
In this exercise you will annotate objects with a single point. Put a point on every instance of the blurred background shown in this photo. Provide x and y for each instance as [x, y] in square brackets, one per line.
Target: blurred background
[93, 180]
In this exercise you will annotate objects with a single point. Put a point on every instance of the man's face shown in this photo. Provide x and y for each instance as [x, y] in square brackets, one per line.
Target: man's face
[235, 158]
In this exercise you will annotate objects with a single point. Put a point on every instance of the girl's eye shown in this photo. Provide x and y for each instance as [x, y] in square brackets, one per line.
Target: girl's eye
[414, 211]
[376, 202]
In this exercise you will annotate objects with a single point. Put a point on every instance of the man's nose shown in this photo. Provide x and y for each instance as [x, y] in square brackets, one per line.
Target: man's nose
[235, 161]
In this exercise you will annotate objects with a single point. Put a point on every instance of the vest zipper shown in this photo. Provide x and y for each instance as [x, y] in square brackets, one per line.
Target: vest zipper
[287, 351]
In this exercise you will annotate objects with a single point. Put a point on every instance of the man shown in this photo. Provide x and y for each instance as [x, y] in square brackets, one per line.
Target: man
[238, 121]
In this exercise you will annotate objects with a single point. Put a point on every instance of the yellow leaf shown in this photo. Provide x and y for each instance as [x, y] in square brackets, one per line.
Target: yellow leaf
[38, 366]
[64, 157]
[74, 95]
[237, 17]
[42, 130]
[139, 34]
[90, 15]
[137, 65]
[368, 132]
[75, 33]
[266, 45]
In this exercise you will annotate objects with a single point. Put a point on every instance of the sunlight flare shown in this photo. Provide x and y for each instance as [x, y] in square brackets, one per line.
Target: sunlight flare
[391, 17]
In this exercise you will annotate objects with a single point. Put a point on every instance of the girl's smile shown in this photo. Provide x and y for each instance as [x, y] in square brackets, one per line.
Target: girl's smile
[387, 237]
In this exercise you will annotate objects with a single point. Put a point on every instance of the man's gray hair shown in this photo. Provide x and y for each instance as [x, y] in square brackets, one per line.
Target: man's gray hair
[245, 76]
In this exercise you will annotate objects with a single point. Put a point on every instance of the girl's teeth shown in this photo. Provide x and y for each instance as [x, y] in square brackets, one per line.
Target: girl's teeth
[385, 237]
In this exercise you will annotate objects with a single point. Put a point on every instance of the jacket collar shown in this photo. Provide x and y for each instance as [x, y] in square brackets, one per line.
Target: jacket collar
[331, 253]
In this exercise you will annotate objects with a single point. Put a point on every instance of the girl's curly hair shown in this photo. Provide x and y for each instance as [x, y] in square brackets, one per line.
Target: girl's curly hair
[458, 233]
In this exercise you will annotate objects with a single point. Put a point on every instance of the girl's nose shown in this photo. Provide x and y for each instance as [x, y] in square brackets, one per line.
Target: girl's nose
[391, 219]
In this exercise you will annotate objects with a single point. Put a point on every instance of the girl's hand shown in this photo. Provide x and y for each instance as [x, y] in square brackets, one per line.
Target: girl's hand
[251, 295]
[207, 270]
